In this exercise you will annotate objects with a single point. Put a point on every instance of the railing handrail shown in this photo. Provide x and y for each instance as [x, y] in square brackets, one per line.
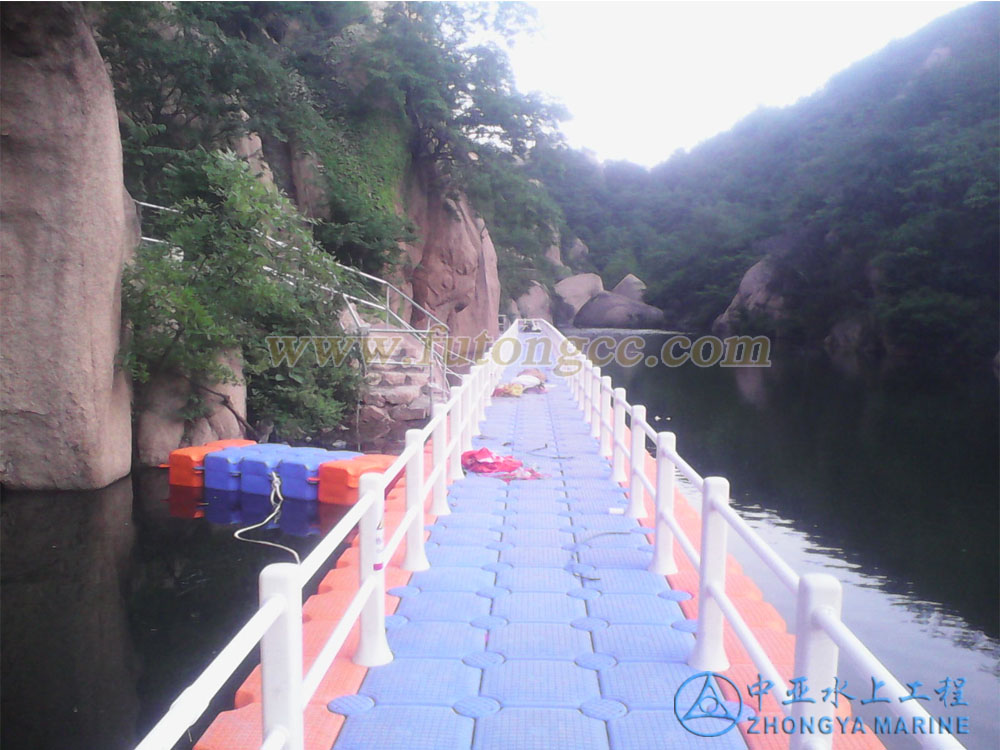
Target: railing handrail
[820, 632]
[351, 269]
[440, 355]
[282, 583]
[596, 395]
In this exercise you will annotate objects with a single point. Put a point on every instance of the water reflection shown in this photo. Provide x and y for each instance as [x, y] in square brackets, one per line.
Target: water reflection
[903, 476]
[69, 670]
[751, 383]
[114, 601]
[891, 486]
[193, 586]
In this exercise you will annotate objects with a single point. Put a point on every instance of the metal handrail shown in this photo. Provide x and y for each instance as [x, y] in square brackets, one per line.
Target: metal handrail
[397, 290]
[440, 356]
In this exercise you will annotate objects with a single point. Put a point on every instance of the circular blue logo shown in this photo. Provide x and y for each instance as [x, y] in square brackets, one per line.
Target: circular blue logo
[700, 708]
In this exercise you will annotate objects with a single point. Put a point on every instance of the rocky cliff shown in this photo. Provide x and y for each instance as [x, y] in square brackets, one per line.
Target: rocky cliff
[759, 294]
[454, 262]
[67, 226]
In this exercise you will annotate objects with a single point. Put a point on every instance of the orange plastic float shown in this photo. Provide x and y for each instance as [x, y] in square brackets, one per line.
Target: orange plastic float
[339, 480]
[187, 465]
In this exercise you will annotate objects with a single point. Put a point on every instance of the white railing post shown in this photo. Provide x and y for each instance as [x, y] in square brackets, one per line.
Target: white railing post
[473, 392]
[637, 463]
[486, 389]
[415, 558]
[468, 413]
[575, 378]
[586, 390]
[439, 457]
[663, 545]
[618, 437]
[497, 369]
[816, 654]
[373, 647]
[709, 654]
[454, 430]
[281, 656]
[481, 393]
[606, 416]
[595, 403]
[571, 380]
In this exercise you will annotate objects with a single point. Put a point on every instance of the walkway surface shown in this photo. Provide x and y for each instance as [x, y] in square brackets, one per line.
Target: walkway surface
[538, 626]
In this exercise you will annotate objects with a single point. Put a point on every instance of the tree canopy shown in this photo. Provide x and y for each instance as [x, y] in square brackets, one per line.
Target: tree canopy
[876, 198]
[359, 94]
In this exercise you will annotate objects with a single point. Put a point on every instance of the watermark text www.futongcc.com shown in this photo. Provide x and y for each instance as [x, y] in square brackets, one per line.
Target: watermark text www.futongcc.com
[539, 351]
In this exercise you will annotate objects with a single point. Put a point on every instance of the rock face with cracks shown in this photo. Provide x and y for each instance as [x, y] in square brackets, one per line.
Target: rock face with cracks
[454, 262]
[757, 294]
[631, 286]
[535, 303]
[67, 226]
[574, 292]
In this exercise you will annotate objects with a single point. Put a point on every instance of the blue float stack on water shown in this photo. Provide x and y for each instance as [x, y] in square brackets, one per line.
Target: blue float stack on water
[256, 468]
[238, 484]
[223, 468]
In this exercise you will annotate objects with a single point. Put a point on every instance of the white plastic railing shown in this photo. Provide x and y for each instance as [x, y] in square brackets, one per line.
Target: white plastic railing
[821, 635]
[277, 624]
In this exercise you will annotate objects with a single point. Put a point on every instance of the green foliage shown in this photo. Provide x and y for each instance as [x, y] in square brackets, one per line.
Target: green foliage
[336, 98]
[523, 219]
[454, 93]
[220, 285]
[464, 116]
[363, 165]
[876, 197]
[208, 74]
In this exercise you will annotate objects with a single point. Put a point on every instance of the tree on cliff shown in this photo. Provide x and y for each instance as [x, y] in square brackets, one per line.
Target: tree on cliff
[343, 103]
[876, 199]
[467, 118]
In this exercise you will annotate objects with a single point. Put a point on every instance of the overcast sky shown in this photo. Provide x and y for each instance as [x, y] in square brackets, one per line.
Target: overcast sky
[642, 79]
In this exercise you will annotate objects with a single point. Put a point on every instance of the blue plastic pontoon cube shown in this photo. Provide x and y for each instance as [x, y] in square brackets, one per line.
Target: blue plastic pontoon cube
[299, 471]
[256, 468]
[223, 468]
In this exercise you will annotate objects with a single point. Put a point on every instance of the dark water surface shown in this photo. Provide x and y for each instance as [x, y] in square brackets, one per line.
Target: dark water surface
[890, 484]
[111, 605]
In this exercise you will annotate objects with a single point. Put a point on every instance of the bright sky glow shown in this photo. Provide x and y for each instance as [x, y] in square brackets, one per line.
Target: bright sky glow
[642, 79]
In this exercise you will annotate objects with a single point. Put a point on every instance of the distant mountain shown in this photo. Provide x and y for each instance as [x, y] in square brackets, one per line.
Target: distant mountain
[868, 211]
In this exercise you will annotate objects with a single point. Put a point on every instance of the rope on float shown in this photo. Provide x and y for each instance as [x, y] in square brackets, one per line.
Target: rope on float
[276, 500]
